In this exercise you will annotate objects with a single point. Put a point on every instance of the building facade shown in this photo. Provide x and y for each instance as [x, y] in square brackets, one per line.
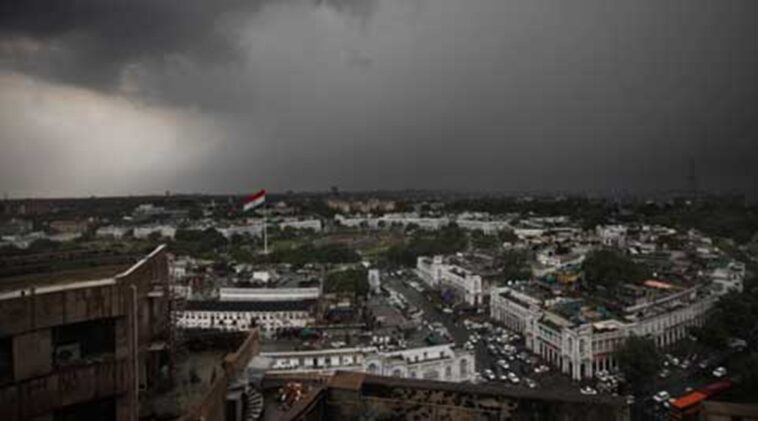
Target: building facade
[439, 362]
[580, 349]
[439, 274]
[272, 317]
[83, 350]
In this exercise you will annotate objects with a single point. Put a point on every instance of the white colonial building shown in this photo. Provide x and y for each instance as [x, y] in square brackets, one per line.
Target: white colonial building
[271, 316]
[268, 294]
[487, 226]
[438, 273]
[612, 235]
[728, 277]
[165, 231]
[580, 340]
[111, 231]
[253, 229]
[439, 362]
[302, 224]
[393, 220]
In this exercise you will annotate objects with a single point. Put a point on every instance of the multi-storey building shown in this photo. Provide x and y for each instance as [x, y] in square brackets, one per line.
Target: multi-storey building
[439, 362]
[728, 277]
[302, 224]
[271, 317]
[73, 347]
[580, 338]
[438, 273]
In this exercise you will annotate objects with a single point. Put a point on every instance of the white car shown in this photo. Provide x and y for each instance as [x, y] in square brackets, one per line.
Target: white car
[588, 390]
[541, 369]
[719, 372]
[513, 377]
[662, 396]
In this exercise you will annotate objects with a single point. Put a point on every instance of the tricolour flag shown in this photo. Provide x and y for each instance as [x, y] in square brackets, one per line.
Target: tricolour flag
[254, 200]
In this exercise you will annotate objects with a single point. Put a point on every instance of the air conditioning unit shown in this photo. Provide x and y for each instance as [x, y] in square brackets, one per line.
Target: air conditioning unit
[67, 353]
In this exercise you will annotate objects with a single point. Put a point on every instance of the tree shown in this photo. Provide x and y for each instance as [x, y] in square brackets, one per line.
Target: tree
[515, 265]
[483, 241]
[351, 281]
[749, 371]
[639, 360]
[733, 316]
[508, 236]
[608, 268]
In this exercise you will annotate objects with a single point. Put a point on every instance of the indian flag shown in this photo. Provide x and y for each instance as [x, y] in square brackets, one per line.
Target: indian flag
[254, 200]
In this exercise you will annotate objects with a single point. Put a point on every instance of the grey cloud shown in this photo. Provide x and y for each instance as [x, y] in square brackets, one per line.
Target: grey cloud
[485, 95]
[88, 42]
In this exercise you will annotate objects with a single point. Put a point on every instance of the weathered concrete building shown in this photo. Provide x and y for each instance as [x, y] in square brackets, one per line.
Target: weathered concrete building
[83, 348]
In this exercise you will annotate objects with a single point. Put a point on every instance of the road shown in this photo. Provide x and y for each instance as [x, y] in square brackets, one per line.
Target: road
[460, 336]
[677, 384]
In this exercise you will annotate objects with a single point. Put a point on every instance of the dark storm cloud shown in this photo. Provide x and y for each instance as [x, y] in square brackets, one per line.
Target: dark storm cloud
[88, 42]
[486, 95]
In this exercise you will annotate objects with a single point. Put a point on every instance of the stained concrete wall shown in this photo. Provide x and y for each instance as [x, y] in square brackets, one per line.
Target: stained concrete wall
[38, 387]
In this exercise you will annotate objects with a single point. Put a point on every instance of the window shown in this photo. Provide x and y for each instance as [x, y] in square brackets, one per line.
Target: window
[6, 360]
[104, 409]
[81, 341]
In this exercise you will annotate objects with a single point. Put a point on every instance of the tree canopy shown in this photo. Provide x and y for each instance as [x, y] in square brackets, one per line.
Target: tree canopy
[308, 253]
[733, 316]
[352, 281]
[639, 360]
[608, 268]
[448, 240]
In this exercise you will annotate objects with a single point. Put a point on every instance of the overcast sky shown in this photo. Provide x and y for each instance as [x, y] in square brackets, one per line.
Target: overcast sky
[141, 96]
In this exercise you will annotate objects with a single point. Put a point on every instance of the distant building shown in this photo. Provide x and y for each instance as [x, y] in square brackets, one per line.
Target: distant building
[375, 281]
[438, 362]
[269, 294]
[16, 227]
[73, 226]
[439, 274]
[612, 235]
[165, 231]
[272, 317]
[254, 229]
[303, 224]
[728, 277]
[112, 231]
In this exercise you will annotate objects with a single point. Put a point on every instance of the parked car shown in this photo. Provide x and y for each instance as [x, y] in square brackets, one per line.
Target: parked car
[588, 390]
[719, 372]
[662, 396]
[541, 369]
[513, 377]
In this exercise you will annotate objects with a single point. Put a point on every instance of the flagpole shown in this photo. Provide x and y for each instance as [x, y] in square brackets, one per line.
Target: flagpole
[265, 232]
